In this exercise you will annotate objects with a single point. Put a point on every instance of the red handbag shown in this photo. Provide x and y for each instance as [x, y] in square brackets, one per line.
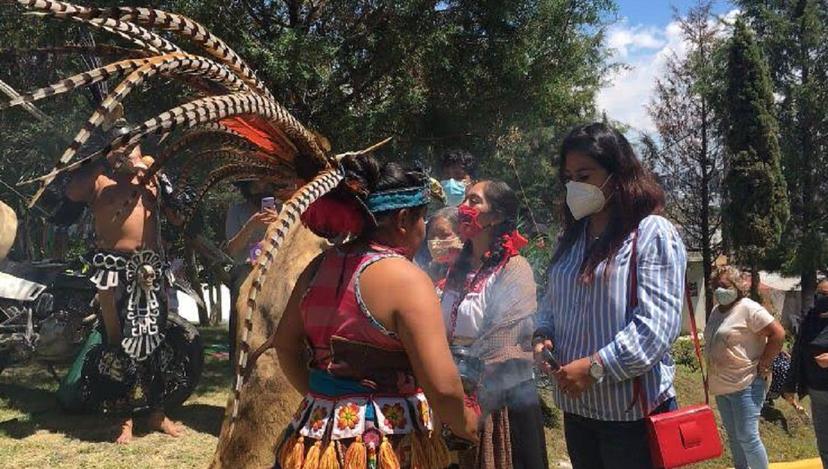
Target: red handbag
[687, 435]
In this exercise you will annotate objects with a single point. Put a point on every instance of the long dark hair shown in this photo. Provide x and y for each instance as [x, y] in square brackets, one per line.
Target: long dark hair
[503, 201]
[636, 194]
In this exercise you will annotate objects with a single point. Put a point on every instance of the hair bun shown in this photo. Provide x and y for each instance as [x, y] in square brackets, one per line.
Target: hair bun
[362, 172]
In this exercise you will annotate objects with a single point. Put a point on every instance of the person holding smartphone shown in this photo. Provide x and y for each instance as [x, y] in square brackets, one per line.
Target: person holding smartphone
[247, 221]
[245, 226]
[604, 342]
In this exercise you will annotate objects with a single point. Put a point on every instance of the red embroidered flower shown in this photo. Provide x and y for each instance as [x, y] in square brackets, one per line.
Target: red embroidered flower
[348, 416]
[394, 416]
[317, 418]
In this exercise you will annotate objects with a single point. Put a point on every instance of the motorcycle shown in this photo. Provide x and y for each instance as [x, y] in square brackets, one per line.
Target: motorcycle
[48, 311]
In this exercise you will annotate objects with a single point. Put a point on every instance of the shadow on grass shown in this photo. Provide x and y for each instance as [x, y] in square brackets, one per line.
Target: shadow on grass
[203, 418]
[43, 413]
[30, 390]
[775, 416]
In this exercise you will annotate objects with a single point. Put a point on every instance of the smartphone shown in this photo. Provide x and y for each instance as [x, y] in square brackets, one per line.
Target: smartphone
[269, 203]
[550, 360]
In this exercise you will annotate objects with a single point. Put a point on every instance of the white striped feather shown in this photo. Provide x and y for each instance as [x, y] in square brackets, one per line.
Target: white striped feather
[323, 183]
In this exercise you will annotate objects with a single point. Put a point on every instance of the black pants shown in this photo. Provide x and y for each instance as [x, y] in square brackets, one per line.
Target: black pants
[599, 444]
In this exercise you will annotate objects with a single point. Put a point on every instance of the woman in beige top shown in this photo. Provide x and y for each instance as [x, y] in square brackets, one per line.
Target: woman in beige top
[741, 340]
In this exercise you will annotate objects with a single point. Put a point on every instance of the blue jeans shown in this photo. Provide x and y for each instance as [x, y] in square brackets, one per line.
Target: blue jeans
[740, 416]
[599, 444]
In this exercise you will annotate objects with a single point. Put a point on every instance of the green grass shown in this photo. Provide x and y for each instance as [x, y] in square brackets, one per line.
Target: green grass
[35, 433]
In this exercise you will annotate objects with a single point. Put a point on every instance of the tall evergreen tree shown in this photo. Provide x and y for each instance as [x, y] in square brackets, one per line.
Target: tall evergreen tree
[756, 208]
[793, 35]
[690, 158]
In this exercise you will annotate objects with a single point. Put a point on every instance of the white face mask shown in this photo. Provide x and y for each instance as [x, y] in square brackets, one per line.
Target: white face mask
[585, 199]
[726, 296]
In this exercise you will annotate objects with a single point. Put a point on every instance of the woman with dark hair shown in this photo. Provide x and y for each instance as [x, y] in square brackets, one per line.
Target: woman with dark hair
[370, 323]
[613, 304]
[488, 308]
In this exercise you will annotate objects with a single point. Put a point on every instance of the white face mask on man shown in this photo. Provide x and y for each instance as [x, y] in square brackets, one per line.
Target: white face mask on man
[585, 199]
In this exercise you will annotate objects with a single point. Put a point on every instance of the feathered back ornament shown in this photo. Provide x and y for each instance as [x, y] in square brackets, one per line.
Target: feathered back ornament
[232, 125]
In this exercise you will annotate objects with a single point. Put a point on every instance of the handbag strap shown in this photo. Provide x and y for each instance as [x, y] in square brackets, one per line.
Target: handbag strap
[694, 333]
[638, 393]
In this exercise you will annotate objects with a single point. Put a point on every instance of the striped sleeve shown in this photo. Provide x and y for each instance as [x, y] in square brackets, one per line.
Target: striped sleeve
[656, 321]
[543, 320]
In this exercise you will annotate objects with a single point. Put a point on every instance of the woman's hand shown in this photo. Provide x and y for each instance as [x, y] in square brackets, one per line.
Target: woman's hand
[764, 368]
[469, 430]
[822, 360]
[539, 345]
[574, 378]
[262, 218]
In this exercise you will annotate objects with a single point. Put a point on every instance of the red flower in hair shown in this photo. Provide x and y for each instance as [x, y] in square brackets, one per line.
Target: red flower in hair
[513, 242]
[330, 217]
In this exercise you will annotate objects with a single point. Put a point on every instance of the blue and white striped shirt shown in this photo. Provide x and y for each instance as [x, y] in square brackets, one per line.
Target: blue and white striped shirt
[583, 319]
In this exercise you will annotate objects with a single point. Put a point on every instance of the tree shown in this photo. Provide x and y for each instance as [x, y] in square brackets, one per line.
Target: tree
[432, 74]
[689, 159]
[756, 207]
[793, 35]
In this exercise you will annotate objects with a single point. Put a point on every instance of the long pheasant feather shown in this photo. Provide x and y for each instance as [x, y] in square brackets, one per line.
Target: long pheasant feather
[160, 19]
[226, 155]
[78, 81]
[288, 217]
[189, 114]
[213, 135]
[177, 62]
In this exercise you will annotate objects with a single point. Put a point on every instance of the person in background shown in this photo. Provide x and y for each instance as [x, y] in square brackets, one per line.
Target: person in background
[247, 221]
[244, 228]
[809, 367]
[741, 340]
[457, 171]
[443, 243]
[610, 338]
[488, 305]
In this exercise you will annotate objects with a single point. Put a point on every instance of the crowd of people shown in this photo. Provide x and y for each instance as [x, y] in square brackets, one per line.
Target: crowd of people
[417, 341]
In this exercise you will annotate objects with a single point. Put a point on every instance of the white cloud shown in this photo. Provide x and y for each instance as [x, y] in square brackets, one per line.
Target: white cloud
[629, 90]
[625, 40]
[644, 50]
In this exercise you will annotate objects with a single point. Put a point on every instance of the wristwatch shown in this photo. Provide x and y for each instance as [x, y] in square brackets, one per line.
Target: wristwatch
[596, 368]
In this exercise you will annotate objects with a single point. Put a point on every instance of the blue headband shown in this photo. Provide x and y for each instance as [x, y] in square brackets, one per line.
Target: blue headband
[397, 198]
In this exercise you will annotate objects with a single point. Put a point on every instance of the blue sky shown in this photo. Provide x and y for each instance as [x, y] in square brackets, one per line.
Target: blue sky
[659, 12]
[644, 36]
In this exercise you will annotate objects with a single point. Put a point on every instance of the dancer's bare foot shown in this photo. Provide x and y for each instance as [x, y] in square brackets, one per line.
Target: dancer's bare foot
[159, 422]
[126, 432]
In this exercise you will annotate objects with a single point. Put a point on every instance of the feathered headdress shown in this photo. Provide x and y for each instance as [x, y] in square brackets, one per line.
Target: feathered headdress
[234, 126]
